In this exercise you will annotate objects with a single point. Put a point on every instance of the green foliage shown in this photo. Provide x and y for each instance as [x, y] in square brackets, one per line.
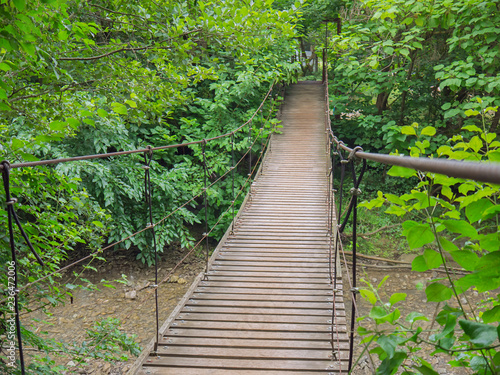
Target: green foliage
[457, 219]
[82, 78]
[104, 341]
[398, 60]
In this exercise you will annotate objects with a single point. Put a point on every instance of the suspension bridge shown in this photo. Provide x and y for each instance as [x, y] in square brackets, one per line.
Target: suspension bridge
[266, 303]
[271, 298]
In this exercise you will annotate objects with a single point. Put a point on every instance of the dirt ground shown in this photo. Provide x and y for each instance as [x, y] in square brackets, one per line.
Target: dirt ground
[132, 303]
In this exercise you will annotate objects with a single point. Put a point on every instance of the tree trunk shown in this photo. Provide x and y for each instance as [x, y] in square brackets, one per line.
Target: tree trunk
[382, 100]
[413, 55]
[494, 124]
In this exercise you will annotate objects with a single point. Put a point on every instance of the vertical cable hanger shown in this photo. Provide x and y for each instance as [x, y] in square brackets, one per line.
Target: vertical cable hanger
[13, 290]
[148, 194]
[250, 150]
[232, 174]
[205, 200]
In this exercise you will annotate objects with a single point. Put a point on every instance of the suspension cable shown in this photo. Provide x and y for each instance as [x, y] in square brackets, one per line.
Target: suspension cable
[148, 195]
[143, 150]
[13, 291]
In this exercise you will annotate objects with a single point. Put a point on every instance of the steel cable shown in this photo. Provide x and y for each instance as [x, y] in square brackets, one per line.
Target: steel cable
[119, 153]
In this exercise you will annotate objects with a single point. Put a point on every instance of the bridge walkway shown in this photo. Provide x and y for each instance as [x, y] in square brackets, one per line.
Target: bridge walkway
[266, 305]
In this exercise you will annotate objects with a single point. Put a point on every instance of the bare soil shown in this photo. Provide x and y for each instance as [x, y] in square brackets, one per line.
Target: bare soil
[69, 322]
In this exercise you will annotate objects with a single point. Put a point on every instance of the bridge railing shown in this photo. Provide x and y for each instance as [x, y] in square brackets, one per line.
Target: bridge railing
[487, 172]
[254, 170]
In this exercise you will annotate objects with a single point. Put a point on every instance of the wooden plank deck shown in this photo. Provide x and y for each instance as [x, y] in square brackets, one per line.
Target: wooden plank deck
[266, 307]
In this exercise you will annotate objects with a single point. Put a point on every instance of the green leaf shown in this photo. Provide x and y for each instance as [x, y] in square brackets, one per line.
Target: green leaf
[494, 155]
[395, 210]
[131, 103]
[472, 128]
[404, 52]
[447, 245]
[119, 108]
[414, 316]
[491, 212]
[5, 67]
[19, 4]
[102, 113]
[410, 130]
[480, 334]
[382, 282]
[475, 143]
[490, 242]
[428, 130]
[98, 224]
[429, 260]
[419, 235]
[471, 112]
[475, 210]
[460, 226]
[492, 316]
[397, 297]
[437, 292]
[390, 365]
[466, 259]
[29, 48]
[57, 125]
[388, 344]
[380, 315]
[397, 171]
[368, 295]
[62, 35]
[74, 123]
[451, 113]
[426, 369]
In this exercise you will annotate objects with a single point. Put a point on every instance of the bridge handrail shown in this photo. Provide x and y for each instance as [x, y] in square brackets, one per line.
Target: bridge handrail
[488, 172]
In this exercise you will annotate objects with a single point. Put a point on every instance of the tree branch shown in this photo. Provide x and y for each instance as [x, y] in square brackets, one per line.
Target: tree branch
[68, 87]
[133, 49]
[374, 232]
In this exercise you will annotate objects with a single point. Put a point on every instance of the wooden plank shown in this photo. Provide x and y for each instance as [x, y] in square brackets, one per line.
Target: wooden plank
[284, 280]
[270, 245]
[261, 364]
[238, 333]
[251, 343]
[292, 264]
[268, 274]
[249, 353]
[325, 297]
[257, 304]
[324, 252]
[271, 270]
[291, 293]
[268, 311]
[255, 255]
[264, 285]
[249, 317]
[220, 371]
